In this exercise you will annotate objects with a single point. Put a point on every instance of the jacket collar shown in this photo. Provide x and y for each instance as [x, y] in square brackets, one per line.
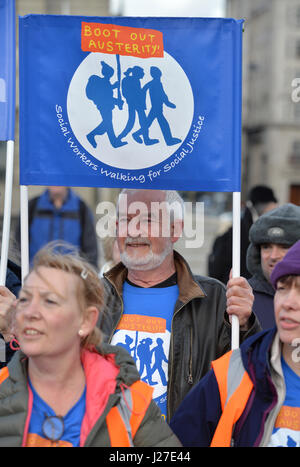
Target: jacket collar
[260, 284]
[188, 287]
[275, 356]
[256, 350]
[112, 354]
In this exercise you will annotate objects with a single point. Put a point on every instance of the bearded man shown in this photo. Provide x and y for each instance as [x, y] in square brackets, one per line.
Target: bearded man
[153, 297]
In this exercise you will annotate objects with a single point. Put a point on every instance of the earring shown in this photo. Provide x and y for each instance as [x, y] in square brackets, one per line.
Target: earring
[14, 344]
[80, 332]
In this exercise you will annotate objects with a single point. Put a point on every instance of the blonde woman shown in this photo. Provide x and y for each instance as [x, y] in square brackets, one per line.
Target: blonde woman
[63, 387]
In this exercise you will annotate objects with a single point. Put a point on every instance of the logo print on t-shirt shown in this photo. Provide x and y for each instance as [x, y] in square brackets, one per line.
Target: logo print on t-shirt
[146, 339]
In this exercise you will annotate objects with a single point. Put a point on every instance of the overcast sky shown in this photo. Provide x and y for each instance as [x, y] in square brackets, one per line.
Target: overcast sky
[205, 8]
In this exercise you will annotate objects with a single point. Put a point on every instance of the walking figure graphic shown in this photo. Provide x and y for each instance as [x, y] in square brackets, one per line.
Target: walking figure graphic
[150, 359]
[126, 345]
[158, 99]
[159, 358]
[144, 354]
[100, 91]
[136, 102]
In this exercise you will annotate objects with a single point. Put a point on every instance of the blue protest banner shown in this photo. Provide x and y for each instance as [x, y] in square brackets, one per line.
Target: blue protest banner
[7, 69]
[130, 102]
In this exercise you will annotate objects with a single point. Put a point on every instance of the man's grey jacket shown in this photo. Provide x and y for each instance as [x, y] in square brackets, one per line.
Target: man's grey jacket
[200, 329]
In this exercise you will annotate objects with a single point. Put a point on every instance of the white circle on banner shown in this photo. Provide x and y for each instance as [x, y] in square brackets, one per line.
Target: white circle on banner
[173, 88]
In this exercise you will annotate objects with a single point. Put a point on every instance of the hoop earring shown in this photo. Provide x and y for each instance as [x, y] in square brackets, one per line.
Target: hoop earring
[17, 345]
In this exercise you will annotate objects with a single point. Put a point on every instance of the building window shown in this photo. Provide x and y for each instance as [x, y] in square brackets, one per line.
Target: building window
[296, 147]
[264, 165]
[296, 108]
[293, 16]
[294, 157]
[297, 17]
[3, 145]
[297, 49]
[58, 7]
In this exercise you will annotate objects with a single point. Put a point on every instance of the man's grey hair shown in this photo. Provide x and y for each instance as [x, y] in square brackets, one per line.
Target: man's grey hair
[173, 199]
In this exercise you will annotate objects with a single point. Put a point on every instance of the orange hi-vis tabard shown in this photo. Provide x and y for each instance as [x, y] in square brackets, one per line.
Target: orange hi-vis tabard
[124, 419]
[235, 387]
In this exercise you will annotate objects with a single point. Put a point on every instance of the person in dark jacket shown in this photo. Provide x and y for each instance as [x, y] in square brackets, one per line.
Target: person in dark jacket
[250, 398]
[270, 238]
[260, 200]
[8, 294]
[173, 323]
[13, 277]
[60, 214]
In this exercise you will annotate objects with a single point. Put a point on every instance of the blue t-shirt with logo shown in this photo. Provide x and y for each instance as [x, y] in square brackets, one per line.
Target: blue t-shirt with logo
[71, 423]
[286, 432]
[145, 332]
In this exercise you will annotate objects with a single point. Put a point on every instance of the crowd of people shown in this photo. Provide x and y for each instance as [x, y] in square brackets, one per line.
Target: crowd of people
[139, 353]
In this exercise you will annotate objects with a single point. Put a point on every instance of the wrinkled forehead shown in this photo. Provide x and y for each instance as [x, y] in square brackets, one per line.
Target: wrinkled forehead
[52, 280]
[131, 201]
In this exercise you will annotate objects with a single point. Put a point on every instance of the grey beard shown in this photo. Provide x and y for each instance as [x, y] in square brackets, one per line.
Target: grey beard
[146, 263]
